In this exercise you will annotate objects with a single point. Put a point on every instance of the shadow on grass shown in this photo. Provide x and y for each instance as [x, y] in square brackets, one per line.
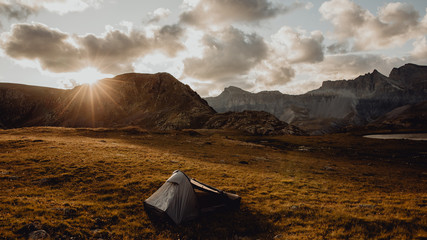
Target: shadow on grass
[221, 225]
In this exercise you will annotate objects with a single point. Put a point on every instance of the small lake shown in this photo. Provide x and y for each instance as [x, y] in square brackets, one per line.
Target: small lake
[408, 136]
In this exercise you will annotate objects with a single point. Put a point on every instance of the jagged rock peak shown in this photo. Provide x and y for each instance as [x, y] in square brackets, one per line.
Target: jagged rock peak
[366, 81]
[407, 69]
[375, 72]
[232, 90]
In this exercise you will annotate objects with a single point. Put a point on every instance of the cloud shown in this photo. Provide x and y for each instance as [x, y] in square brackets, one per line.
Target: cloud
[23, 8]
[50, 47]
[338, 48]
[395, 24]
[66, 6]
[420, 49]
[232, 57]
[298, 46]
[274, 73]
[116, 51]
[11, 11]
[158, 15]
[217, 12]
[167, 39]
[288, 47]
[15, 11]
[228, 53]
[349, 66]
[113, 52]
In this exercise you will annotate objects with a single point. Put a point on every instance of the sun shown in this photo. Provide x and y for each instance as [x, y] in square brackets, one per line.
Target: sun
[89, 75]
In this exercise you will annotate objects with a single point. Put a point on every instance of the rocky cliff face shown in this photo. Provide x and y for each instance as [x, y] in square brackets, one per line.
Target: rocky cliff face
[336, 104]
[411, 77]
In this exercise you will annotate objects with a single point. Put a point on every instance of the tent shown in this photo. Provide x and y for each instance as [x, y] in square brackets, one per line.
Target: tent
[182, 199]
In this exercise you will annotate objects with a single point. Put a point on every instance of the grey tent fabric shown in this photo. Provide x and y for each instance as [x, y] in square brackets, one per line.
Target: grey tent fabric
[182, 199]
[176, 197]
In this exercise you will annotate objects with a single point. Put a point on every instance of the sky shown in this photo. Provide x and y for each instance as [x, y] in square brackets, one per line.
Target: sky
[257, 45]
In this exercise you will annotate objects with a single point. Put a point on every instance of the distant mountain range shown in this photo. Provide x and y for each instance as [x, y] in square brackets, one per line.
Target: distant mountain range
[152, 101]
[159, 101]
[336, 105]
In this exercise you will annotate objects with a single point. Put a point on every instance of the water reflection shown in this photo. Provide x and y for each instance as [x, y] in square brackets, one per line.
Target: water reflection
[408, 136]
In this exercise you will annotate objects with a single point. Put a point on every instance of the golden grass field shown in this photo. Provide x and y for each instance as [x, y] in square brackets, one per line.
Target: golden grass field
[91, 184]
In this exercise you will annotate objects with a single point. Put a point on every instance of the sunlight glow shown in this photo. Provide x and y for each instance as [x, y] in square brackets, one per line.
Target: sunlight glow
[92, 100]
[88, 75]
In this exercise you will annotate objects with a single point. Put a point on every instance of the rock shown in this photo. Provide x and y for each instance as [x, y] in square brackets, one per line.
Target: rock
[303, 149]
[252, 122]
[70, 213]
[329, 168]
[243, 162]
[10, 178]
[38, 235]
[28, 228]
[366, 206]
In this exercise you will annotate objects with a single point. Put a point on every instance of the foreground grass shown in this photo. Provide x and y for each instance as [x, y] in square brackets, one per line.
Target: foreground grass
[91, 183]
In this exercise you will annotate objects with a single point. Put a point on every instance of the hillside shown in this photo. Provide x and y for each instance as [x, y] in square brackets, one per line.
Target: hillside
[23, 105]
[411, 116]
[151, 101]
[336, 105]
[91, 184]
[157, 101]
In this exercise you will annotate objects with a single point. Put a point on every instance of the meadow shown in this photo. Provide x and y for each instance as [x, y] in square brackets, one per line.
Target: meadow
[78, 183]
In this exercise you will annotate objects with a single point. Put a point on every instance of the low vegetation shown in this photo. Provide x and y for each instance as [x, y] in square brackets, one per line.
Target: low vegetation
[91, 184]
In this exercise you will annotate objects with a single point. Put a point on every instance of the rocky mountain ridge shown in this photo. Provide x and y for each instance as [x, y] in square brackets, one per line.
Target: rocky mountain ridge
[152, 101]
[336, 104]
[412, 116]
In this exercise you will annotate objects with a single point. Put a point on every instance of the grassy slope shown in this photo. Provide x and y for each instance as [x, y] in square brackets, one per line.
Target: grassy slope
[85, 183]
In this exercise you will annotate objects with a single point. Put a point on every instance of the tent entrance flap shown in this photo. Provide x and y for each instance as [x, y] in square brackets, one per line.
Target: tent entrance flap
[182, 199]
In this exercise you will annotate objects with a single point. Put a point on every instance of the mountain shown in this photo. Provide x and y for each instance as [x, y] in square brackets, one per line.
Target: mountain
[336, 104]
[157, 101]
[152, 101]
[128, 99]
[23, 105]
[252, 122]
[411, 116]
